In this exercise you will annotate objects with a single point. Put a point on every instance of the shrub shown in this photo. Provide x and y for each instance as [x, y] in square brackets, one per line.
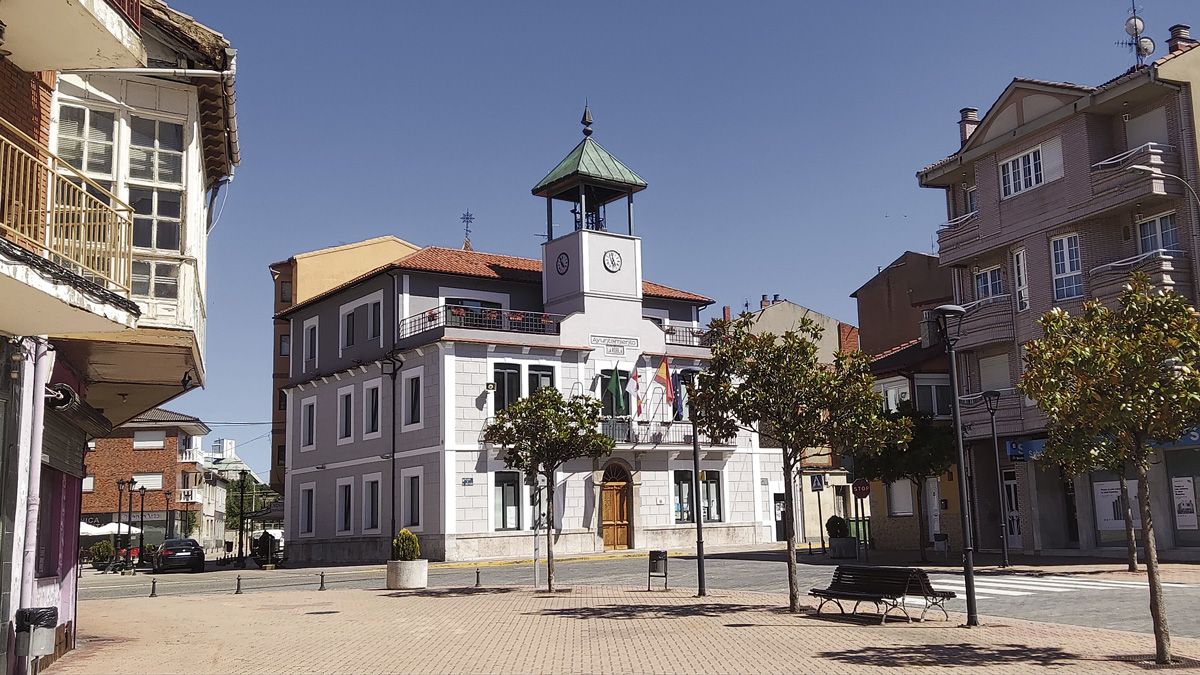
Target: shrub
[837, 527]
[405, 546]
[102, 550]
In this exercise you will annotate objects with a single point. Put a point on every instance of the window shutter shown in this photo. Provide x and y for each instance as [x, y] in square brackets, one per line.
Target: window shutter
[1052, 159]
[150, 481]
[993, 372]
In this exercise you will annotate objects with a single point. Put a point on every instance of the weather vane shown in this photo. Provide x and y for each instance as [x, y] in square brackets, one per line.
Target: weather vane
[467, 218]
[1138, 43]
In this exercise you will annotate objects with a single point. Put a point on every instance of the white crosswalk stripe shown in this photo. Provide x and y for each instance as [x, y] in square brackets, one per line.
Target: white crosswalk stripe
[1025, 585]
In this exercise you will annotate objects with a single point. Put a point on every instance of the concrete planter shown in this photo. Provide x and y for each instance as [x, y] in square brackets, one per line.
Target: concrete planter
[407, 574]
[843, 547]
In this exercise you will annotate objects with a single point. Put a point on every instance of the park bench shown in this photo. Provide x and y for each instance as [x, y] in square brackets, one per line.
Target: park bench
[885, 587]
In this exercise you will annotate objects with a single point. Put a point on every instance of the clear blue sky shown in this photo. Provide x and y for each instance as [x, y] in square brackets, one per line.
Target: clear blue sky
[779, 139]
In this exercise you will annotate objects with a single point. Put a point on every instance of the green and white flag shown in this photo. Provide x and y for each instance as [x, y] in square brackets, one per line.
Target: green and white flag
[617, 391]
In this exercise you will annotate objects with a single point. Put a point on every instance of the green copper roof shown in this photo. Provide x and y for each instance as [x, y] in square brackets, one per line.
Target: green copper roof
[591, 160]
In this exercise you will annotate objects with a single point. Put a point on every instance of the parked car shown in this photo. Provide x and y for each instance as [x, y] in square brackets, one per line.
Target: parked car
[179, 553]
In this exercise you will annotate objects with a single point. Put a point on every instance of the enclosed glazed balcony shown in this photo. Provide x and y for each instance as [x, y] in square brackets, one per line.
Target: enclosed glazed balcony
[47, 35]
[1168, 270]
[987, 321]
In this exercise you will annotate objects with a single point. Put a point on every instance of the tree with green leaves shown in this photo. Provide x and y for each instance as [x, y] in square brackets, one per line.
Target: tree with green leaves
[1113, 383]
[543, 431]
[930, 452]
[779, 386]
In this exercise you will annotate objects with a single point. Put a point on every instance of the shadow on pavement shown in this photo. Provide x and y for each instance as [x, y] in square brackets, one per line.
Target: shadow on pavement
[950, 655]
[647, 611]
[465, 591]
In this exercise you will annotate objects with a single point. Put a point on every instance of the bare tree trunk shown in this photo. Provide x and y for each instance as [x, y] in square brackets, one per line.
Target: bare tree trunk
[1158, 608]
[789, 516]
[922, 523]
[550, 531]
[1130, 539]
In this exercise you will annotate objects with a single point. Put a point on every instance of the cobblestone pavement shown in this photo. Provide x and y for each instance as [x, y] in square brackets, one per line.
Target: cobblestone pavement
[587, 629]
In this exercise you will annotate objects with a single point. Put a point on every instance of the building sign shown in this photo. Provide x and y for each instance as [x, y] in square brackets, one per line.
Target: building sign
[1183, 495]
[613, 345]
[1189, 439]
[1019, 451]
[1110, 508]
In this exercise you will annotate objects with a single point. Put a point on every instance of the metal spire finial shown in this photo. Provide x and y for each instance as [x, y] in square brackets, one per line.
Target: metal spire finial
[467, 218]
[586, 121]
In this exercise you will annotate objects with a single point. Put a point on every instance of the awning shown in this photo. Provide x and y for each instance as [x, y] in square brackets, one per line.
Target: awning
[86, 530]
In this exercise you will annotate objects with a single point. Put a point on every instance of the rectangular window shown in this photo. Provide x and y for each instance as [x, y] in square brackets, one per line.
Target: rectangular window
[1021, 173]
[710, 496]
[376, 320]
[89, 483]
[345, 413]
[85, 139]
[371, 408]
[900, 498]
[285, 345]
[972, 206]
[149, 440]
[282, 400]
[49, 536]
[345, 506]
[348, 329]
[1158, 233]
[155, 279]
[1021, 274]
[988, 283]
[934, 399]
[412, 509]
[540, 376]
[155, 151]
[507, 377]
[308, 432]
[414, 400]
[683, 496]
[156, 218]
[307, 509]
[371, 503]
[507, 497]
[280, 455]
[285, 291]
[610, 403]
[311, 343]
[150, 481]
[1067, 267]
[993, 372]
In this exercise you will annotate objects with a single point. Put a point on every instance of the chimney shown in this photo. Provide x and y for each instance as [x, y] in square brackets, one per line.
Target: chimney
[764, 303]
[726, 313]
[775, 299]
[1181, 36]
[967, 122]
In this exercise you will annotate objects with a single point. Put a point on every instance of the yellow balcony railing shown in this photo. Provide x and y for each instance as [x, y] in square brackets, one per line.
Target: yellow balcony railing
[51, 209]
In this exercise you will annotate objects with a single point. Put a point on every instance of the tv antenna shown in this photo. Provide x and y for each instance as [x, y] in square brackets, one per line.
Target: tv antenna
[1138, 43]
[467, 218]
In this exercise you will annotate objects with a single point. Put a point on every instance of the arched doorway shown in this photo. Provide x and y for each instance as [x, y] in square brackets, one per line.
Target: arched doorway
[616, 486]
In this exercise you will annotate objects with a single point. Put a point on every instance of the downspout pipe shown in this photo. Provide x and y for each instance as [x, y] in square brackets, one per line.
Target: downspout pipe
[43, 360]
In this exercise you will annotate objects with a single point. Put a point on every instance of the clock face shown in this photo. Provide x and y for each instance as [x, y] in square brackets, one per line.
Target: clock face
[563, 263]
[612, 261]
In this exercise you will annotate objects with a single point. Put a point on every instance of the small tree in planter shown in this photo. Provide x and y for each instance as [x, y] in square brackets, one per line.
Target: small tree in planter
[406, 569]
[841, 544]
[102, 552]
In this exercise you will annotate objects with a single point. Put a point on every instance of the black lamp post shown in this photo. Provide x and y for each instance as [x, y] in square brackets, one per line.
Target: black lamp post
[696, 514]
[168, 513]
[390, 366]
[949, 324]
[142, 525]
[991, 398]
[120, 507]
[241, 516]
[129, 530]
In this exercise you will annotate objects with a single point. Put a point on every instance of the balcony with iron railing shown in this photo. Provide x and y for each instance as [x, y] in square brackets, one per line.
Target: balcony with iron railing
[52, 210]
[191, 495]
[688, 336]
[448, 320]
[1167, 270]
[130, 10]
[1114, 183]
[987, 321]
[653, 433]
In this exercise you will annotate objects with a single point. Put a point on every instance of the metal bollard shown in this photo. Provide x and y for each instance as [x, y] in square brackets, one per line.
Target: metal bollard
[154, 588]
[238, 590]
[322, 582]
[477, 585]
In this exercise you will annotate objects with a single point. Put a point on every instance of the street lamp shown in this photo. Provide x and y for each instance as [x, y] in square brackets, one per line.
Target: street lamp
[120, 507]
[949, 324]
[142, 525]
[991, 398]
[393, 361]
[168, 513]
[241, 516]
[129, 530]
[696, 514]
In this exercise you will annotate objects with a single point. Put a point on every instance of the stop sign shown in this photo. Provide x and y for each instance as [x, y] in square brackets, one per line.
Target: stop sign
[861, 488]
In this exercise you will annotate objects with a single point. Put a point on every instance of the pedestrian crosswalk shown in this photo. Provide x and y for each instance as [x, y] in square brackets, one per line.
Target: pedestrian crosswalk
[1016, 586]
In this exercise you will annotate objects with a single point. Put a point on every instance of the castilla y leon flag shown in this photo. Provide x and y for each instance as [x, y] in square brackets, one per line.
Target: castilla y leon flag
[633, 386]
[663, 377]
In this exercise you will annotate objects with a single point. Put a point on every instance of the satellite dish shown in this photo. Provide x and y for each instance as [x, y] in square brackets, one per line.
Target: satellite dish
[1134, 26]
[1145, 46]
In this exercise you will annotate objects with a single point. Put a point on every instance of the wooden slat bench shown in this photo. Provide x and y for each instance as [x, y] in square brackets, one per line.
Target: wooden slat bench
[885, 587]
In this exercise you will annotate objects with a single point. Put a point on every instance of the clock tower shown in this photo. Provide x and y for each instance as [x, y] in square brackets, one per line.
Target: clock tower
[597, 264]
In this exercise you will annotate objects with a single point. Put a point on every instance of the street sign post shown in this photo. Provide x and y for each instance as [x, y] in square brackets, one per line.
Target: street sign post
[861, 488]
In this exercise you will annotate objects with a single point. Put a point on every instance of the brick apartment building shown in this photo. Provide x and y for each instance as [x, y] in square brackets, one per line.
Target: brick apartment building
[1055, 196]
[159, 450]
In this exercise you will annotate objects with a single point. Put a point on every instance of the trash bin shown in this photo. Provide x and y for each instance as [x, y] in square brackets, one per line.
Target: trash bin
[35, 630]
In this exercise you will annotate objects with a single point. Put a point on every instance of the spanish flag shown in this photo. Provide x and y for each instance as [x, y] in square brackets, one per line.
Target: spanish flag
[663, 377]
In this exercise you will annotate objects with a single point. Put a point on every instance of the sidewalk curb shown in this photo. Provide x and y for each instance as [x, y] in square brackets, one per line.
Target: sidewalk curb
[565, 559]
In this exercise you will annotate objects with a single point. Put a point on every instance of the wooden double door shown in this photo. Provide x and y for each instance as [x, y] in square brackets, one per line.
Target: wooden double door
[615, 505]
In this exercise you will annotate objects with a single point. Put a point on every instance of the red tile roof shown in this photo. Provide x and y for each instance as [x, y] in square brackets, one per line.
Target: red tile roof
[892, 350]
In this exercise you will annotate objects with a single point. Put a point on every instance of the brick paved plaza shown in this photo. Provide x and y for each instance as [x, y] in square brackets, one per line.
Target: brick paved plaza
[583, 630]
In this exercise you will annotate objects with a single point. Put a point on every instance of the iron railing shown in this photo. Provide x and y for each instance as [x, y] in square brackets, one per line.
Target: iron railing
[191, 456]
[690, 336]
[1117, 161]
[654, 433]
[505, 320]
[131, 10]
[191, 496]
[51, 209]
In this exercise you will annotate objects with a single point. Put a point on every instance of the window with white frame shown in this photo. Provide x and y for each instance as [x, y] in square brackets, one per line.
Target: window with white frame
[155, 279]
[507, 498]
[345, 505]
[410, 480]
[89, 483]
[308, 423]
[151, 439]
[507, 378]
[85, 140]
[894, 394]
[157, 217]
[1021, 275]
[1067, 267]
[345, 397]
[935, 398]
[1159, 232]
[540, 377]
[988, 283]
[414, 401]
[308, 506]
[372, 408]
[155, 151]
[285, 345]
[900, 498]
[310, 343]
[1021, 173]
[375, 320]
[710, 496]
[972, 206]
[371, 499]
[150, 481]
